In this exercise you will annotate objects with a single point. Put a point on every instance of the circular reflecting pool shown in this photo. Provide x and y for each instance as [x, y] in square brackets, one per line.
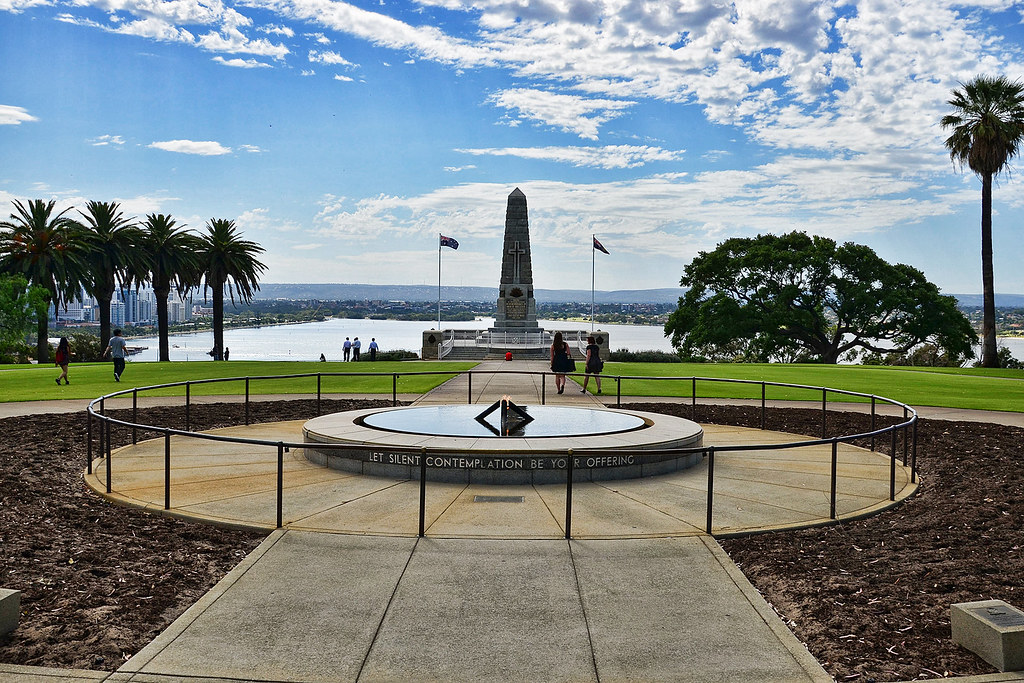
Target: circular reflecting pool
[461, 420]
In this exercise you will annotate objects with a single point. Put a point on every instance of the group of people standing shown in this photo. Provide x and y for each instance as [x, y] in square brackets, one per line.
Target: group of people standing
[350, 349]
[562, 363]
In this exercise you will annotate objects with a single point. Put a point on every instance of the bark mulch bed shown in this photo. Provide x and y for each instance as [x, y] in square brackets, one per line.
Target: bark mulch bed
[869, 598]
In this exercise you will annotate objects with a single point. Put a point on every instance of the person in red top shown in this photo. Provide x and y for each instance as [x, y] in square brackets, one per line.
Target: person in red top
[61, 359]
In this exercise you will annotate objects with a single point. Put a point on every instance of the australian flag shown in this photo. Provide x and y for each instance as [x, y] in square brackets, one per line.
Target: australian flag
[599, 246]
[449, 242]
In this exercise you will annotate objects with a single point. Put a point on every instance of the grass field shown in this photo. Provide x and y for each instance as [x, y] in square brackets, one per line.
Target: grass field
[90, 380]
[948, 387]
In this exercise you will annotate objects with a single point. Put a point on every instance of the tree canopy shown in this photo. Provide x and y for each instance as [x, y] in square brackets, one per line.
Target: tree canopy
[21, 306]
[797, 297]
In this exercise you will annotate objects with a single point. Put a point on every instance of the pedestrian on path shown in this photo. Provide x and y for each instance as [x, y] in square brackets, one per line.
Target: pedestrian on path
[561, 361]
[346, 349]
[355, 349]
[118, 351]
[62, 358]
[373, 349]
[594, 365]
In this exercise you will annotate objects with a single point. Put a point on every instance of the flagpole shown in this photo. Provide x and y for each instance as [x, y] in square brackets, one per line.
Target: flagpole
[438, 281]
[593, 269]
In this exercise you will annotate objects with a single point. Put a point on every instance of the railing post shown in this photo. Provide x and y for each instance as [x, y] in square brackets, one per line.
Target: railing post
[763, 393]
[280, 485]
[618, 391]
[711, 486]
[906, 435]
[892, 467]
[470, 373]
[835, 466]
[135, 415]
[107, 430]
[543, 388]
[88, 441]
[246, 401]
[568, 495]
[394, 389]
[423, 490]
[188, 406]
[693, 398]
[167, 470]
[824, 410]
[872, 424]
[318, 376]
[913, 457]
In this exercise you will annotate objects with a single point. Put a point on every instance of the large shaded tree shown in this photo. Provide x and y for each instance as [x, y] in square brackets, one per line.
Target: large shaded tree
[794, 296]
[987, 125]
[228, 261]
[21, 306]
[173, 260]
[114, 256]
[49, 251]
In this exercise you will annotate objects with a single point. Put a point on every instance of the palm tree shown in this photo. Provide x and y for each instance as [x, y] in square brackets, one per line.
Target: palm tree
[228, 260]
[113, 256]
[988, 126]
[49, 251]
[173, 262]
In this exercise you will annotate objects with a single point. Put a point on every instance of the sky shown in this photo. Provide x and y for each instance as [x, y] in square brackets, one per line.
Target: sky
[343, 137]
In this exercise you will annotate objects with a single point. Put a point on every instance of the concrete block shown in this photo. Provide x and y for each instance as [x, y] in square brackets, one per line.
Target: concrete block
[991, 629]
[10, 610]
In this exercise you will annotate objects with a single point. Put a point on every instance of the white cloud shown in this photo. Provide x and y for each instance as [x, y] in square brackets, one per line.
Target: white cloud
[242, 63]
[105, 140]
[328, 58]
[14, 116]
[343, 79]
[250, 148]
[580, 115]
[201, 148]
[18, 6]
[285, 31]
[608, 157]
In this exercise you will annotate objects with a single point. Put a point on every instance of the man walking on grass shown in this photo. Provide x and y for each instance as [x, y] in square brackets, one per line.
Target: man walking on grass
[117, 350]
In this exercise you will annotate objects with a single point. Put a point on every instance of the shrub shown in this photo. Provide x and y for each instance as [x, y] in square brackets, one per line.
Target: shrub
[400, 354]
[85, 347]
[627, 356]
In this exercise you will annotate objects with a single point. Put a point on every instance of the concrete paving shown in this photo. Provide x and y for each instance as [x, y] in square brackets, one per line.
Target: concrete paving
[494, 591]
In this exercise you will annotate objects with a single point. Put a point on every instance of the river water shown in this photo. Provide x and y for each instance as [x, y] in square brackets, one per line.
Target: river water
[306, 341]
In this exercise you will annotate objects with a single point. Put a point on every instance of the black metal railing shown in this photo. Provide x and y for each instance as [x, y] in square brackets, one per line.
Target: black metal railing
[908, 428]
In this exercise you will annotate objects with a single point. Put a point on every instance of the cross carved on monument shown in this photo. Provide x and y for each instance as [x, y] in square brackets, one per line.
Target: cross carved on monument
[517, 251]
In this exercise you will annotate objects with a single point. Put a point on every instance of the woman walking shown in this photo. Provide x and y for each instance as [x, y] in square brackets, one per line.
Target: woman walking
[561, 361]
[594, 365]
[61, 359]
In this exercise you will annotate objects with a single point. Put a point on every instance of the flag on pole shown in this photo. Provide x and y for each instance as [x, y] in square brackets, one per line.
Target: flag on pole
[600, 247]
[449, 242]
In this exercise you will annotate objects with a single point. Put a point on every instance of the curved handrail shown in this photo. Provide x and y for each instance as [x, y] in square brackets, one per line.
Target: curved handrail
[909, 423]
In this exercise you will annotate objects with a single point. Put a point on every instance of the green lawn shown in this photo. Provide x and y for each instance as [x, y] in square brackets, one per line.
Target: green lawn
[90, 380]
[949, 387]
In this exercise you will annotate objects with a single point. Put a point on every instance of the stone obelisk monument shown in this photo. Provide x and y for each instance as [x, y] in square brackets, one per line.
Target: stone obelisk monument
[517, 309]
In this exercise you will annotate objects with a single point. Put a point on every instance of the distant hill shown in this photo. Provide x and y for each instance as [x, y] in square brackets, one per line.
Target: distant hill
[1002, 300]
[669, 295]
[342, 292]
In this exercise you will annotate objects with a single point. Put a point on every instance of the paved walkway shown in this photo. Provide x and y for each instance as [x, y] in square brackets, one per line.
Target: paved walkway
[493, 592]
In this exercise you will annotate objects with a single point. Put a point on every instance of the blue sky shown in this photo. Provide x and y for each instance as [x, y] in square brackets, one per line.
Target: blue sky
[344, 136]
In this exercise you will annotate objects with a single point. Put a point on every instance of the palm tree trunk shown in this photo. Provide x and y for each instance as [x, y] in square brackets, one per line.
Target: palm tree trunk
[43, 337]
[161, 323]
[218, 320]
[989, 355]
